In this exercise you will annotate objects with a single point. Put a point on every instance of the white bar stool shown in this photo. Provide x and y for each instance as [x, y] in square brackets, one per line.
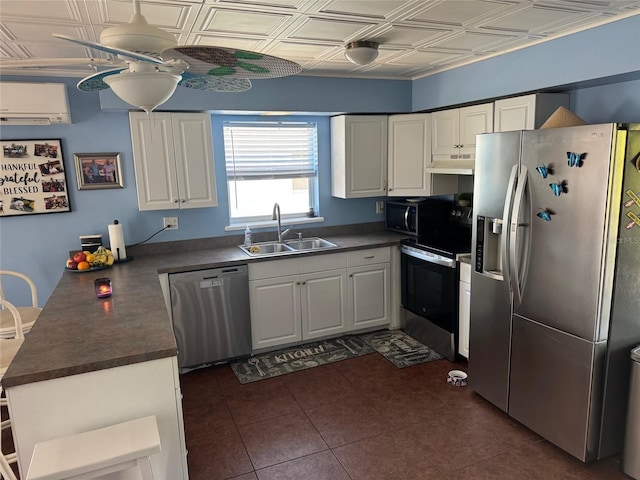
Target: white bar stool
[97, 452]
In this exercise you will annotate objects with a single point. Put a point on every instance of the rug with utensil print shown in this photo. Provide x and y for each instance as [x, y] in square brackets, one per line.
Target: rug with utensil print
[395, 345]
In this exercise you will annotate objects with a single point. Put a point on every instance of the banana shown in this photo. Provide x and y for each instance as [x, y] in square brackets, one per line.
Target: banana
[103, 257]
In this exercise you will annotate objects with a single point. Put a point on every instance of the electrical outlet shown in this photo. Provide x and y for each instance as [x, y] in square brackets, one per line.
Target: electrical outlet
[170, 223]
[379, 207]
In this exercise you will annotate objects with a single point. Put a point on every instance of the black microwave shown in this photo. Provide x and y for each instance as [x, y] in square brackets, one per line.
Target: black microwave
[415, 218]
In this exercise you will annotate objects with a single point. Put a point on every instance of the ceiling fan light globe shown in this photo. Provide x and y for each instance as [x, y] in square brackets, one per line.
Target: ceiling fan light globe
[145, 90]
[362, 52]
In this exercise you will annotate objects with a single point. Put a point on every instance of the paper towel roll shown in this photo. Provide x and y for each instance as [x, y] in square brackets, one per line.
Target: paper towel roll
[116, 241]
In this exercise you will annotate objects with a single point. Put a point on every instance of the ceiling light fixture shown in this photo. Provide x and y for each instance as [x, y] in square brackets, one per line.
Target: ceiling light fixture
[145, 90]
[361, 52]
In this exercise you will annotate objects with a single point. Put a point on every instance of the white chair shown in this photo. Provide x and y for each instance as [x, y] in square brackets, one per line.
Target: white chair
[28, 314]
[94, 453]
[8, 350]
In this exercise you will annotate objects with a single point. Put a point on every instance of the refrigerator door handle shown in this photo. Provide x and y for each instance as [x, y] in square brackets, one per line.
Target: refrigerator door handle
[514, 262]
[506, 222]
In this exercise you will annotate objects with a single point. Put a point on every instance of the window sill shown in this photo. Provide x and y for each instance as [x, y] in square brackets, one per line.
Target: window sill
[273, 223]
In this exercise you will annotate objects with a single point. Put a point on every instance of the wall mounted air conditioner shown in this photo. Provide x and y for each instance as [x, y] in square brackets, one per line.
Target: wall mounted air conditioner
[33, 104]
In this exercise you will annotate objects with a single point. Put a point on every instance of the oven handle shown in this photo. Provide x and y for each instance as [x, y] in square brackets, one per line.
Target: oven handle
[424, 256]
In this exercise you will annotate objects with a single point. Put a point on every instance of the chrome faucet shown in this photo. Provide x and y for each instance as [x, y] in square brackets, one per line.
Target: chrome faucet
[276, 216]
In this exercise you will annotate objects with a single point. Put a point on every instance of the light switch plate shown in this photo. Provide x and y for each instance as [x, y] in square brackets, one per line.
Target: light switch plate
[379, 207]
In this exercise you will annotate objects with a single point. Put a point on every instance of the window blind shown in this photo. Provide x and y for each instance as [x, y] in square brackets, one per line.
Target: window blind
[259, 151]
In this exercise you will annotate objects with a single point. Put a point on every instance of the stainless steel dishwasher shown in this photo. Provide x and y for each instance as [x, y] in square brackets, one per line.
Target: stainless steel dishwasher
[211, 318]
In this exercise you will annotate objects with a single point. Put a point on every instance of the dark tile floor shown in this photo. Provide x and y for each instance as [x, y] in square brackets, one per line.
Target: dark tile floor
[362, 419]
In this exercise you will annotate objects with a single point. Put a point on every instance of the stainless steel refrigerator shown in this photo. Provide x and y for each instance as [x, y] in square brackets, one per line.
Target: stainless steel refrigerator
[555, 289]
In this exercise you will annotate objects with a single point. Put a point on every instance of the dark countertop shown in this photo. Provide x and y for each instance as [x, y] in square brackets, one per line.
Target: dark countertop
[78, 333]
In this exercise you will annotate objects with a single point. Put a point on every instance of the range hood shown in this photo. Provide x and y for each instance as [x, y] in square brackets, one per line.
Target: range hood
[451, 166]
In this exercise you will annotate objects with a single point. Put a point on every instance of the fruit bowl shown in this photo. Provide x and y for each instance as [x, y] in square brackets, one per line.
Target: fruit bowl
[91, 269]
[90, 262]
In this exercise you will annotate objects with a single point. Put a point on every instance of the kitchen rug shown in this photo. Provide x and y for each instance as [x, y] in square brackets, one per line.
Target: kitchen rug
[300, 357]
[399, 348]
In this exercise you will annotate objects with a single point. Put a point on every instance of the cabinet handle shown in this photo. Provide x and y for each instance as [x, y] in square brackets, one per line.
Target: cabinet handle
[304, 283]
[182, 200]
[175, 201]
[351, 275]
[369, 257]
[297, 283]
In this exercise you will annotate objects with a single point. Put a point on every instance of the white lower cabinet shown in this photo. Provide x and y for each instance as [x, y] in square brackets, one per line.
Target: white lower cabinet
[318, 296]
[324, 303]
[369, 295]
[275, 311]
[464, 305]
[369, 289]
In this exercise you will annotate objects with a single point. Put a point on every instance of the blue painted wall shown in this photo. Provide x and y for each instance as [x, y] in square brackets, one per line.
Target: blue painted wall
[598, 54]
[592, 63]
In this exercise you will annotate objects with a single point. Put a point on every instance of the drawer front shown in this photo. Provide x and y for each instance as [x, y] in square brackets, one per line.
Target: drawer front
[368, 256]
[274, 268]
[465, 272]
[321, 263]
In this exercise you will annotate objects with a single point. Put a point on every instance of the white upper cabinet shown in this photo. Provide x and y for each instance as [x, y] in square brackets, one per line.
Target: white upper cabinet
[453, 136]
[454, 131]
[527, 112]
[173, 158]
[410, 155]
[359, 156]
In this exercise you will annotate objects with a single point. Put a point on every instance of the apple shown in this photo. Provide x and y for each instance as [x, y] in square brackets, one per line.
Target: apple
[72, 265]
[79, 257]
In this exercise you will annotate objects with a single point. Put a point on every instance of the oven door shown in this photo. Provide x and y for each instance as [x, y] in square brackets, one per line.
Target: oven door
[430, 299]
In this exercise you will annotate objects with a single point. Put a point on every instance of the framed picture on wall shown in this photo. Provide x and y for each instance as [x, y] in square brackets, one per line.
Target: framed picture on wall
[32, 178]
[98, 170]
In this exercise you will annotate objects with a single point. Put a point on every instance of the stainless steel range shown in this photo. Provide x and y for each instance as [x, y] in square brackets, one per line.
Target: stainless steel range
[429, 279]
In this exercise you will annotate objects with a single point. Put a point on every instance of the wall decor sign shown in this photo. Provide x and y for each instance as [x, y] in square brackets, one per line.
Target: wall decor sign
[32, 178]
[98, 170]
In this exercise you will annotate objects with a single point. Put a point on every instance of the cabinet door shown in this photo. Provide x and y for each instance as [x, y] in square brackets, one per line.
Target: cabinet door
[193, 143]
[359, 156]
[324, 303]
[445, 132]
[463, 319]
[409, 155]
[514, 114]
[153, 155]
[474, 120]
[369, 296]
[275, 311]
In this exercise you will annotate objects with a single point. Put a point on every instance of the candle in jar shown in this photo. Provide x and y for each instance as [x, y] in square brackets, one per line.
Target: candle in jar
[103, 287]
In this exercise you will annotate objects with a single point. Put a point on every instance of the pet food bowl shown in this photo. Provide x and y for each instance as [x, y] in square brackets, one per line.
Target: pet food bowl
[457, 378]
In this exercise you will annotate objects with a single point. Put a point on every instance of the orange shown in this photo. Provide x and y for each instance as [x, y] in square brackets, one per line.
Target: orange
[84, 266]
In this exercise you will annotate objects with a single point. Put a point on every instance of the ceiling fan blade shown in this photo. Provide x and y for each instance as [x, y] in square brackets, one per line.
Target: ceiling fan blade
[232, 63]
[58, 62]
[214, 84]
[112, 50]
[95, 82]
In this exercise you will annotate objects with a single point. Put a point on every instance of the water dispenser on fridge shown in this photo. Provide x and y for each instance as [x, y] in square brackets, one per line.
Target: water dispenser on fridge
[489, 243]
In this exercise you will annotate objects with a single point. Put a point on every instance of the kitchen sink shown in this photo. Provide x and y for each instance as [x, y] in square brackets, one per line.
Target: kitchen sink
[266, 248]
[311, 243]
[292, 246]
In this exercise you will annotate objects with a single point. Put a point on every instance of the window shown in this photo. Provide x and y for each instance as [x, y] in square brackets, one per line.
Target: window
[270, 163]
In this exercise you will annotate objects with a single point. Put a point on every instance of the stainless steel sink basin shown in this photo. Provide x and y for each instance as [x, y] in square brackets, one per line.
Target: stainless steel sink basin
[291, 246]
[311, 243]
[266, 248]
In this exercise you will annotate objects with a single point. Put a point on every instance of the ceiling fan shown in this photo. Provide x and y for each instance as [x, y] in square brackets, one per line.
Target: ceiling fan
[150, 64]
